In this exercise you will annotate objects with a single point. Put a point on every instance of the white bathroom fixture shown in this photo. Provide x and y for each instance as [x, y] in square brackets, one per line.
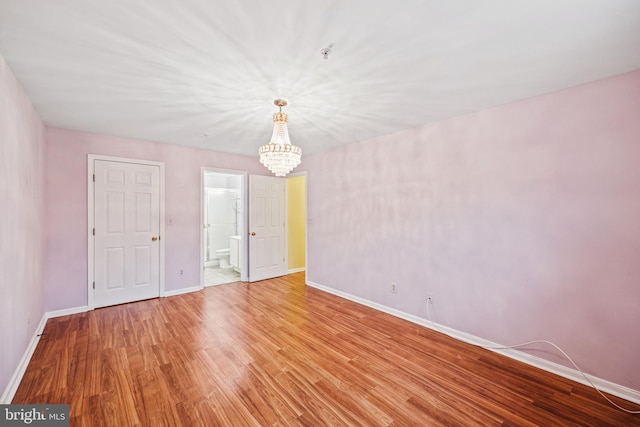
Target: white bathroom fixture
[223, 257]
[234, 256]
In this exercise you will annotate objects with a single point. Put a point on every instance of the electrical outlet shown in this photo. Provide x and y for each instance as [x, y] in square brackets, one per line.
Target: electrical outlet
[394, 288]
[430, 298]
[181, 272]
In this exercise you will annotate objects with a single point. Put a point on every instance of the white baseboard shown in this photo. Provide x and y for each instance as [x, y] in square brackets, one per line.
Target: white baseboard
[296, 270]
[563, 371]
[66, 311]
[555, 368]
[182, 291]
[14, 382]
[16, 378]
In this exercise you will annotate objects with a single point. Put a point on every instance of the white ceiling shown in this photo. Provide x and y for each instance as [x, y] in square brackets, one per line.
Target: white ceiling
[173, 70]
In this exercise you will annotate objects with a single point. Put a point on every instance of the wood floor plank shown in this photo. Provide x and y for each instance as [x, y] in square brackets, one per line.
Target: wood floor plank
[277, 353]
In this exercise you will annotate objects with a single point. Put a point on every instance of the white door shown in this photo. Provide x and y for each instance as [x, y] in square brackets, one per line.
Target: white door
[267, 229]
[127, 232]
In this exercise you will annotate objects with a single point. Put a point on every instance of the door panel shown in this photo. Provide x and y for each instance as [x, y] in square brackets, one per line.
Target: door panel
[275, 251]
[267, 229]
[143, 263]
[144, 211]
[114, 268]
[126, 218]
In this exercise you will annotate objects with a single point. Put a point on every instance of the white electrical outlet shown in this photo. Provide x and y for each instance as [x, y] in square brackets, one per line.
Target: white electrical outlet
[430, 298]
[181, 272]
[394, 288]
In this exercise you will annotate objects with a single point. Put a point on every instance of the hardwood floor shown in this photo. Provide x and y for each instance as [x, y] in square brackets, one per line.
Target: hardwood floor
[279, 353]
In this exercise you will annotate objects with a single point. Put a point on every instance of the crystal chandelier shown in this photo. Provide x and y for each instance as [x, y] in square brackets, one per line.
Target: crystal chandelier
[279, 156]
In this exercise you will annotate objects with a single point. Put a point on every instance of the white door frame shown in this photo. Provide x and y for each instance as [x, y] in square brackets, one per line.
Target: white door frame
[91, 158]
[244, 264]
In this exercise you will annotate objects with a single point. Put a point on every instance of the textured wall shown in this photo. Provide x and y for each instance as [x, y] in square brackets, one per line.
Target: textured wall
[522, 220]
[66, 200]
[296, 217]
[21, 216]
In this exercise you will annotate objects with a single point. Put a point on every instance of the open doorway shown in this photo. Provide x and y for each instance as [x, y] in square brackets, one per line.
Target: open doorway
[297, 222]
[223, 222]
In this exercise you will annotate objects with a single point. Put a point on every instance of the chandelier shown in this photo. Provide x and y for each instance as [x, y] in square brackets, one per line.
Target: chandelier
[279, 156]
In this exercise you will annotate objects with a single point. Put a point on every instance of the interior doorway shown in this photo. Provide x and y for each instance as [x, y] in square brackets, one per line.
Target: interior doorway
[297, 222]
[223, 227]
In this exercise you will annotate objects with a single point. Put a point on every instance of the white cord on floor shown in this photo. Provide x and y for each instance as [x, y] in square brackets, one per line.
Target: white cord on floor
[435, 325]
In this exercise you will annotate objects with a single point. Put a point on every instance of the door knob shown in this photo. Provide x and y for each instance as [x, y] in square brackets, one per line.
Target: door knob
[154, 238]
[253, 233]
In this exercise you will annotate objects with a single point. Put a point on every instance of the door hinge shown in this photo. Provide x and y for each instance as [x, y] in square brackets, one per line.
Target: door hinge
[94, 177]
[94, 285]
[94, 231]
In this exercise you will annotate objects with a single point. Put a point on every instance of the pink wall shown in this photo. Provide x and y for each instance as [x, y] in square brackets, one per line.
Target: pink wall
[522, 220]
[21, 215]
[66, 201]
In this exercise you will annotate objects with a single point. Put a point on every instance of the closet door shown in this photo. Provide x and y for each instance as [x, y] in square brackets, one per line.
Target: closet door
[127, 232]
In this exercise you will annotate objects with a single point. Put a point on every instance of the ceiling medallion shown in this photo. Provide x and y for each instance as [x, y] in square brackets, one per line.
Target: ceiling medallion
[279, 156]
